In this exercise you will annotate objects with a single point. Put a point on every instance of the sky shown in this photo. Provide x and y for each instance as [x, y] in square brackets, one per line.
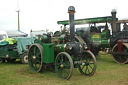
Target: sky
[44, 14]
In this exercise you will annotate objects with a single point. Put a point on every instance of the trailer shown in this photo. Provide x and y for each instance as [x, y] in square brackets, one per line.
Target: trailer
[17, 50]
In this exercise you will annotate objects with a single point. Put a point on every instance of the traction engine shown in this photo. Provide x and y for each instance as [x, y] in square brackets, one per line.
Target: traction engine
[62, 52]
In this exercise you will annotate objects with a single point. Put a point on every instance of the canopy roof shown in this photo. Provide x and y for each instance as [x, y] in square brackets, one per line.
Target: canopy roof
[122, 21]
[88, 20]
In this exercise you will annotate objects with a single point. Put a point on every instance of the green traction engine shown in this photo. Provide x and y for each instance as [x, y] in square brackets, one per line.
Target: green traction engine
[107, 34]
[62, 52]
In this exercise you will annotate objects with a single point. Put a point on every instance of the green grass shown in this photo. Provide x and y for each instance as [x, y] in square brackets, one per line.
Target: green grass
[108, 73]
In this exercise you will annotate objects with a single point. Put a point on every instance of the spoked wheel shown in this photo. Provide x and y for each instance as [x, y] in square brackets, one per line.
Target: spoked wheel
[121, 59]
[24, 58]
[64, 65]
[79, 39]
[35, 56]
[88, 65]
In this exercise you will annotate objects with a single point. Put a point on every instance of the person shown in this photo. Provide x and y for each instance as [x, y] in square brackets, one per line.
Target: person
[125, 26]
[64, 30]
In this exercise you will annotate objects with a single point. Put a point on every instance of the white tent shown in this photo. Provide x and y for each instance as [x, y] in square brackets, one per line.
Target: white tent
[16, 33]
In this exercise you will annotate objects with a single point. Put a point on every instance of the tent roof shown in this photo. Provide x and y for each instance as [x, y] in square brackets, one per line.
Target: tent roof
[16, 33]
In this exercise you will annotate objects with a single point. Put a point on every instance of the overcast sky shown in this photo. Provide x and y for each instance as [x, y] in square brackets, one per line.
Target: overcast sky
[44, 14]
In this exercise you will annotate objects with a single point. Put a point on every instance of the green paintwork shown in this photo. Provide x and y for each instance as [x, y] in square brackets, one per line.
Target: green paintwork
[105, 40]
[55, 40]
[100, 39]
[14, 51]
[48, 53]
[44, 39]
[96, 37]
[57, 34]
[105, 43]
[60, 48]
[88, 20]
[62, 37]
[9, 54]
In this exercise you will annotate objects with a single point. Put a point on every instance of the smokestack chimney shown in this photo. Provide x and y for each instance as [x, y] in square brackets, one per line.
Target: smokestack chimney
[113, 21]
[71, 11]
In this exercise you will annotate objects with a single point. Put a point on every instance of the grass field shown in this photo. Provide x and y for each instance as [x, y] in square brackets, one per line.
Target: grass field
[108, 73]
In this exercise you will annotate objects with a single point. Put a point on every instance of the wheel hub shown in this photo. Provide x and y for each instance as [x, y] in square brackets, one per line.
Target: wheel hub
[34, 57]
[87, 63]
[26, 59]
[61, 65]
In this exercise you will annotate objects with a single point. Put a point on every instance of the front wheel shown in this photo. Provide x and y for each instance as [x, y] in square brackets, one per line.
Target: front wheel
[64, 65]
[24, 58]
[88, 65]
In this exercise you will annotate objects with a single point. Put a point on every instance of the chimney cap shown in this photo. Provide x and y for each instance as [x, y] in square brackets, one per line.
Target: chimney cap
[71, 8]
[113, 11]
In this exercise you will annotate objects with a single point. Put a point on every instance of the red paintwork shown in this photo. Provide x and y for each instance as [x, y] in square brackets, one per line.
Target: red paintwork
[119, 45]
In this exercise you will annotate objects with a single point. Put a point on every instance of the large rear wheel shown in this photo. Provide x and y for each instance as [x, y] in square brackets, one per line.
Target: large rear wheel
[120, 58]
[35, 57]
[64, 65]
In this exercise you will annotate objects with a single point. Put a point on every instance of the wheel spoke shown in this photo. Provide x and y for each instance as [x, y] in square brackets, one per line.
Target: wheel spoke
[59, 59]
[66, 73]
[38, 61]
[89, 71]
[89, 60]
[90, 66]
[86, 59]
[37, 54]
[83, 67]
[60, 69]
[58, 64]
[86, 69]
[62, 58]
[34, 51]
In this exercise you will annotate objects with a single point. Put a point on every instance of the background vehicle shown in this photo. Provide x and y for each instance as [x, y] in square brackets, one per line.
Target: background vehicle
[16, 50]
[37, 33]
[13, 46]
[102, 37]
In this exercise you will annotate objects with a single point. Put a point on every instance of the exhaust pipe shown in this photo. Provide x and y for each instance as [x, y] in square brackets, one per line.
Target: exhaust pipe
[113, 21]
[71, 11]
